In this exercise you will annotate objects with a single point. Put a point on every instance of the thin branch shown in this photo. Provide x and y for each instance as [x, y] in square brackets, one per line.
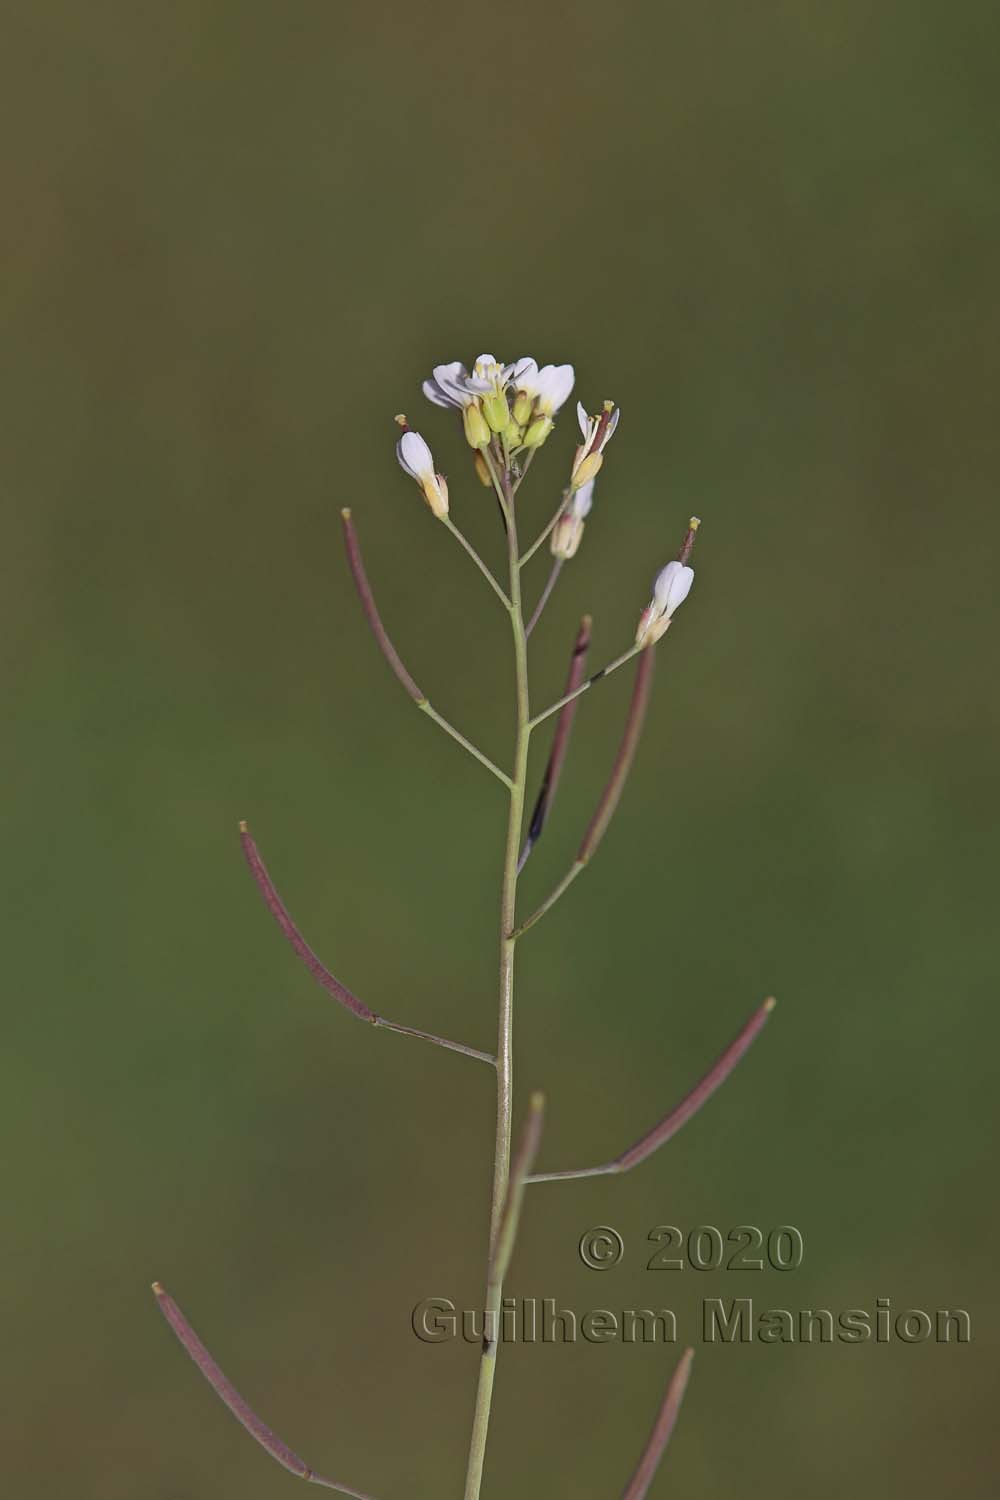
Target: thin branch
[681, 1113]
[612, 666]
[546, 532]
[318, 969]
[372, 615]
[439, 1041]
[520, 1167]
[391, 655]
[545, 595]
[521, 476]
[228, 1393]
[560, 744]
[654, 1450]
[470, 549]
[557, 891]
[610, 797]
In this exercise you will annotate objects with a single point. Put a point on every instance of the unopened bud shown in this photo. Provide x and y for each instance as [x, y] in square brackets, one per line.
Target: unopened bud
[416, 459]
[538, 432]
[523, 406]
[482, 472]
[567, 534]
[477, 433]
[496, 411]
[671, 587]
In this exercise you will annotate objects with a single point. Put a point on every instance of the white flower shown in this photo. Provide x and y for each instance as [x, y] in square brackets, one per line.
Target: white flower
[671, 587]
[597, 433]
[567, 533]
[416, 459]
[449, 386]
[488, 376]
[548, 387]
[539, 393]
[452, 385]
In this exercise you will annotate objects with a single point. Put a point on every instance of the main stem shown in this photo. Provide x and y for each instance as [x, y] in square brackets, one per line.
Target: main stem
[505, 1082]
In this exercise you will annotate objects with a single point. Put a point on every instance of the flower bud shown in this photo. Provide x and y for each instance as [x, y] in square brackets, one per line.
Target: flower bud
[416, 459]
[567, 534]
[482, 472]
[523, 407]
[496, 411]
[477, 433]
[671, 587]
[538, 432]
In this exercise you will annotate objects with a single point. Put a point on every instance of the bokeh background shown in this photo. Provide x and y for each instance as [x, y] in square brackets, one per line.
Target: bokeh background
[237, 235]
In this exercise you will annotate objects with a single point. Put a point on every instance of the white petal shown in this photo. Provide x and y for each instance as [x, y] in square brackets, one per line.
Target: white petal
[560, 384]
[583, 419]
[415, 456]
[672, 586]
[614, 421]
[583, 500]
[525, 373]
[434, 393]
[450, 380]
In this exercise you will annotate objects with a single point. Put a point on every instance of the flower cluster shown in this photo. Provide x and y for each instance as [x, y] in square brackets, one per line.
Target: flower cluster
[517, 402]
[510, 409]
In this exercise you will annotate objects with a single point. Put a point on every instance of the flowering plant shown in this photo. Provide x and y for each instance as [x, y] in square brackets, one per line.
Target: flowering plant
[508, 411]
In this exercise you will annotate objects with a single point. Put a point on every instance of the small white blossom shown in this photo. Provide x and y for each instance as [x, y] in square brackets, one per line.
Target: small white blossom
[567, 533]
[483, 397]
[449, 386]
[416, 459]
[671, 587]
[597, 433]
[549, 387]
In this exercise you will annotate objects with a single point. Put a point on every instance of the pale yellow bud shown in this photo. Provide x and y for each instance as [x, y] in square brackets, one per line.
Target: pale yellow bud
[496, 411]
[523, 406]
[567, 535]
[587, 470]
[538, 432]
[435, 488]
[477, 433]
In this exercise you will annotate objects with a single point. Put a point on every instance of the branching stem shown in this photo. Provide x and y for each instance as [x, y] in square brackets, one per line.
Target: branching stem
[508, 897]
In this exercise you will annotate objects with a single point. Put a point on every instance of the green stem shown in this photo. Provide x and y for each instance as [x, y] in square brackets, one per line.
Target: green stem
[508, 896]
[470, 549]
[553, 896]
[456, 734]
[544, 535]
[612, 666]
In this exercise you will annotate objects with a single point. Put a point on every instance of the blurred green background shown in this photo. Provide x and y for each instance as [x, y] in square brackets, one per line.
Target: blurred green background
[236, 238]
